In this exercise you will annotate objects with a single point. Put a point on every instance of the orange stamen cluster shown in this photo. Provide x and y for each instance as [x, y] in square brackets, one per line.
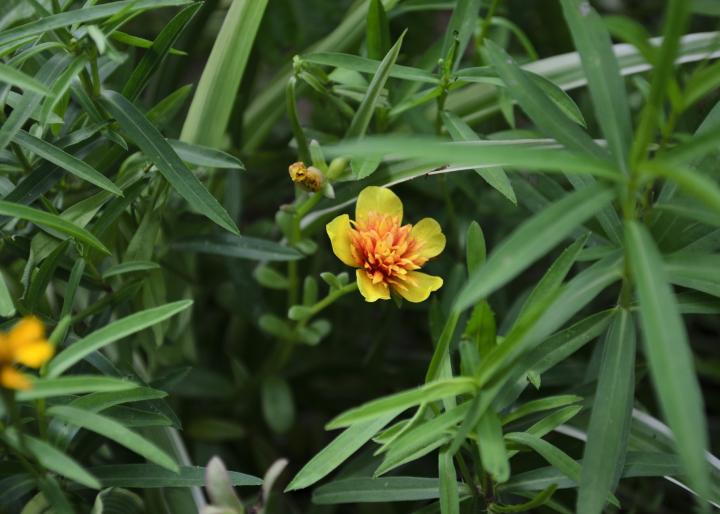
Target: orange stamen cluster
[384, 249]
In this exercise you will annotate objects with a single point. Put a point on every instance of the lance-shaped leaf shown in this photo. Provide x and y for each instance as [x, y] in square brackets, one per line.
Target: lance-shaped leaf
[605, 83]
[52, 221]
[531, 241]
[112, 332]
[66, 161]
[669, 355]
[609, 428]
[157, 149]
[115, 431]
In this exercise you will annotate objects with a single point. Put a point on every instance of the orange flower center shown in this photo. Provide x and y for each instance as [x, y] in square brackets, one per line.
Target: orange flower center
[384, 249]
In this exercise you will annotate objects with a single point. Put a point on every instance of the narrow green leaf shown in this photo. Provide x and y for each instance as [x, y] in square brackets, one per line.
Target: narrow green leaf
[495, 177]
[25, 107]
[42, 278]
[694, 183]
[449, 495]
[696, 271]
[77, 16]
[15, 77]
[213, 101]
[55, 495]
[140, 42]
[607, 217]
[552, 279]
[63, 433]
[60, 86]
[203, 156]
[539, 405]
[492, 446]
[546, 115]
[609, 427]
[378, 30]
[420, 440]
[111, 333]
[605, 83]
[52, 221]
[151, 142]
[364, 113]
[531, 241]
[669, 355]
[371, 490]
[561, 345]
[151, 476]
[554, 455]
[363, 65]
[677, 16]
[49, 457]
[154, 57]
[529, 155]
[241, 247]
[537, 501]
[115, 431]
[66, 161]
[398, 402]
[129, 267]
[524, 338]
[637, 464]
[7, 307]
[339, 450]
[475, 249]
[461, 26]
[76, 384]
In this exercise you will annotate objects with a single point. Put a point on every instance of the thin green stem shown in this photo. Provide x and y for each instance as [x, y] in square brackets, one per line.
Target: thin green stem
[328, 300]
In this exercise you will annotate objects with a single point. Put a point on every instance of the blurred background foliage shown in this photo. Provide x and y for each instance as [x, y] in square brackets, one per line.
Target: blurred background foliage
[235, 389]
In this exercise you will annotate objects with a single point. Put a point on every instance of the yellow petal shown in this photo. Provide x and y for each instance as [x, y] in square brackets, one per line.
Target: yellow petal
[11, 378]
[428, 233]
[35, 354]
[380, 200]
[418, 286]
[371, 292]
[338, 230]
[26, 331]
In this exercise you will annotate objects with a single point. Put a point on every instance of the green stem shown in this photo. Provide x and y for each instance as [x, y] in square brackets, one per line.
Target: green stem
[328, 300]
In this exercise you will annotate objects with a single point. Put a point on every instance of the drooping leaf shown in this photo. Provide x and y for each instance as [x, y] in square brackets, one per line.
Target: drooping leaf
[668, 352]
[115, 431]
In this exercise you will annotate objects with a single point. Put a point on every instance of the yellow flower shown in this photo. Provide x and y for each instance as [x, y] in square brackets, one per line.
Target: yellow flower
[24, 344]
[386, 253]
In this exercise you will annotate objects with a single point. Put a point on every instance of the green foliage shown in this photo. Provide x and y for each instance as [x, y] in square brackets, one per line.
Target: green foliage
[566, 364]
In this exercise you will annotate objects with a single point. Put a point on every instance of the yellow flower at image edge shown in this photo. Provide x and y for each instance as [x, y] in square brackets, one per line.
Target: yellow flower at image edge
[387, 254]
[24, 344]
